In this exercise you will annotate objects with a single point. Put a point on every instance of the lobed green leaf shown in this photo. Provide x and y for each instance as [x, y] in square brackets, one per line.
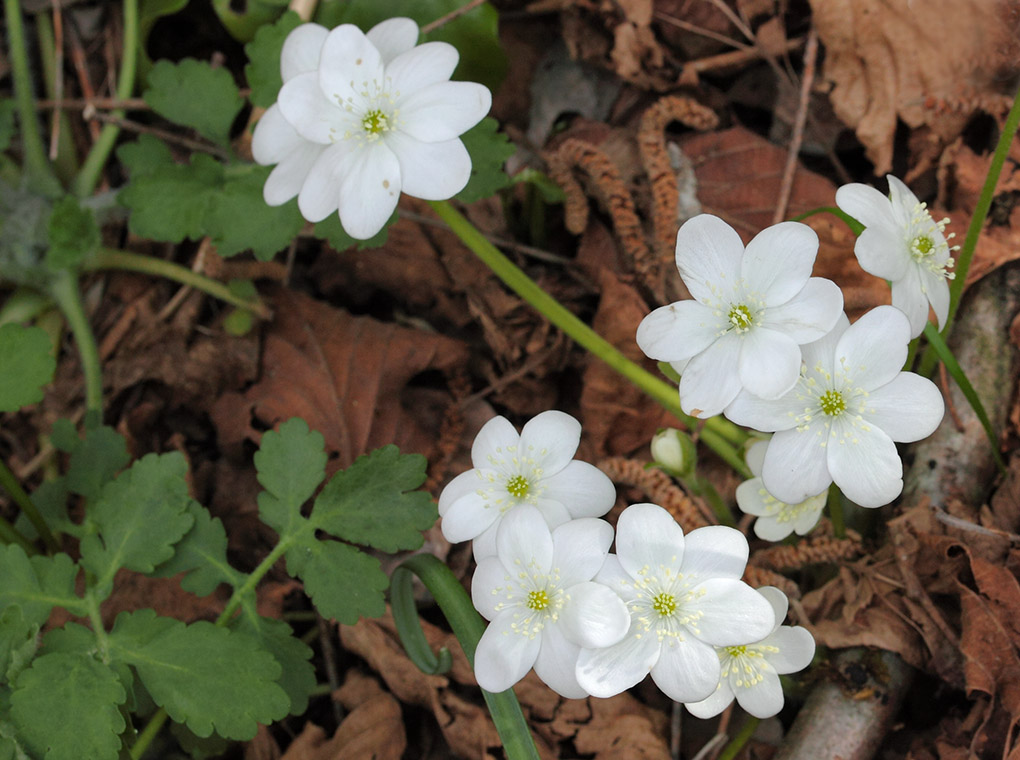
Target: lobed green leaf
[489, 149]
[291, 463]
[202, 554]
[263, 68]
[194, 94]
[26, 365]
[37, 584]
[19, 639]
[297, 678]
[343, 583]
[95, 460]
[73, 234]
[239, 219]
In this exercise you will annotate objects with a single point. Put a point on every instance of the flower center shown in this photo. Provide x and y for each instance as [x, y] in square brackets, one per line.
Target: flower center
[926, 238]
[740, 317]
[538, 600]
[665, 604]
[743, 665]
[375, 121]
[832, 403]
[736, 651]
[921, 246]
[518, 486]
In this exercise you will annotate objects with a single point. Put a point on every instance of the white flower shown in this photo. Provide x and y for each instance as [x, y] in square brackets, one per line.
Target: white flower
[902, 244]
[385, 115]
[685, 598]
[534, 468]
[776, 519]
[537, 591]
[752, 310]
[751, 672]
[840, 422]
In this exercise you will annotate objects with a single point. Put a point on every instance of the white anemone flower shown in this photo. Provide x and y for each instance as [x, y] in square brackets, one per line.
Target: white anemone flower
[902, 244]
[776, 519]
[388, 119]
[752, 310]
[840, 423]
[535, 467]
[538, 593]
[685, 598]
[750, 672]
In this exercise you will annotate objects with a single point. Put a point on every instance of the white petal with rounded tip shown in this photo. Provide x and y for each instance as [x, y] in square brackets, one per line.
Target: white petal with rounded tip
[769, 363]
[778, 261]
[648, 536]
[495, 444]
[732, 613]
[796, 648]
[874, 349]
[810, 314]
[679, 331]
[393, 37]
[462, 485]
[594, 617]
[369, 191]
[764, 699]
[908, 298]
[796, 465]
[822, 352]
[582, 488]
[579, 549]
[424, 65]
[751, 500]
[444, 110]
[524, 541]
[301, 50]
[908, 408]
[687, 671]
[349, 65]
[766, 416]
[714, 551]
[467, 517]
[810, 514]
[711, 380]
[937, 290]
[708, 255]
[274, 138]
[612, 670]
[714, 704]
[320, 194]
[867, 205]
[902, 201]
[484, 544]
[755, 455]
[554, 513]
[780, 604]
[883, 252]
[613, 576]
[504, 657]
[865, 465]
[550, 439]
[312, 115]
[432, 171]
[489, 586]
[770, 529]
[287, 179]
[556, 662]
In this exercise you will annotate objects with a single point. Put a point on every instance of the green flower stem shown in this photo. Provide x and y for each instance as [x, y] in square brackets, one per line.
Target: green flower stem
[835, 504]
[110, 258]
[468, 626]
[551, 309]
[31, 141]
[405, 616]
[66, 161]
[10, 484]
[147, 734]
[977, 222]
[88, 178]
[98, 629]
[737, 743]
[64, 290]
[704, 488]
[856, 227]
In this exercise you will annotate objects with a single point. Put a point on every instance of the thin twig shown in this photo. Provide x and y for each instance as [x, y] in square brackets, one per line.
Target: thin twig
[432, 26]
[58, 76]
[806, 81]
[944, 517]
[81, 69]
[733, 58]
[103, 104]
[134, 126]
[687, 26]
[734, 19]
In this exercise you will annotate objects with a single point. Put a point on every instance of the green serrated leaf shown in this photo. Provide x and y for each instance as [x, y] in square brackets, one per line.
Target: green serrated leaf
[277, 638]
[194, 94]
[50, 498]
[202, 554]
[19, 640]
[368, 503]
[145, 155]
[263, 68]
[95, 460]
[199, 747]
[38, 584]
[7, 125]
[73, 233]
[207, 677]
[238, 218]
[343, 583]
[26, 365]
[139, 517]
[489, 149]
[291, 463]
[75, 638]
[65, 706]
[256, 13]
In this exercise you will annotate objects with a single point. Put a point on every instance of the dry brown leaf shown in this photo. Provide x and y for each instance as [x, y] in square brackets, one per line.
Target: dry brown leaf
[931, 63]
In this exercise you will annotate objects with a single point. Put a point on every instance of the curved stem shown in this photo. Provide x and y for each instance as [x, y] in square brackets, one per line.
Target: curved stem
[147, 734]
[405, 616]
[88, 178]
[252, 581]
[737, 742]
[111, 258]
[835, 504]
[855, 227]
[64, 290]
[468, 626]
[555, 312]
[10, 484]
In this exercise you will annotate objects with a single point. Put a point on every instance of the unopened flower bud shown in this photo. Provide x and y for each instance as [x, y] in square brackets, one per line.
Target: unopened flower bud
[674, 452]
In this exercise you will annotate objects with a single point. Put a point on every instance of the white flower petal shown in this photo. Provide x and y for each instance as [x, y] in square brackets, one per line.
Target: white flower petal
[320, 194]
[731, 613]
[549, 440]
[495, 444]
[431, 171]
[810, 513]
[778, 261]
[769, 363]
[582, 488]
[287, 179]
[369, 191]
[648, 536]
[579, 549]
[873, 350]
[711, 380]
[810, 314]
[821, 354]
[936, 288]
[902, 199]
[613, 576]
[908, 297]
[424, 65]
[595, 617]
[796, 648]
[708, 255]
[349, 65]
[301, 50]
[908, 408]
[768, 416]
[484, 544]
[687, 670]
[751, 498]
[274, 138]
[864, 464]
[714, 551]
[612, 670]
[714, 704]
[393, 37]
[315, 117]
[556, 663]
[553, 512]
[796, 465]
[503, 657]
[765, 698]
[780, 605]
[466, 483]
[489, 587]
[881, 251]
[770, 529]
[865, 204]
[467, 517]
[444, 110]
[755, 456]
[524, 541]
[679, 331]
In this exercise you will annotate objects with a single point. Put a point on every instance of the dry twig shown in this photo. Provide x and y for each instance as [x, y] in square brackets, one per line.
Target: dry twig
[806, 81]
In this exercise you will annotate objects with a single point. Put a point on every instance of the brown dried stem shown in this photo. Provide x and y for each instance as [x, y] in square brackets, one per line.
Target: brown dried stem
[658, 487]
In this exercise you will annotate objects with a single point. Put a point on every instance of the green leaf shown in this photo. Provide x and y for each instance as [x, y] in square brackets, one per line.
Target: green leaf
[19, 640]
[194, 94]
[7, 125]
[66, 706]
[149, 12]
[277, 638]
[139, 517]
[291, 463]
[202, 554]
[489, 149]
[257, 13]
[333, 233]
[343, 583]
[26, 365]
[369, 502]
[207, 677]
[263, 68]
[238, 218]
[50, 498]
[95, 460]
[73, 232]
[38, 584]
[145, 155]
[199, 747]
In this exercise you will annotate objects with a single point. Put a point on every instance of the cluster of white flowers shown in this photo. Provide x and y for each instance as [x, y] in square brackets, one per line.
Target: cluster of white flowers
[595, 623]
[362, 117]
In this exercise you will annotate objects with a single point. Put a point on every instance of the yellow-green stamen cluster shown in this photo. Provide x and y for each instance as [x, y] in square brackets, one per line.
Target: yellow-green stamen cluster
[538, 600]
[518, 486]
[374, 122]
[744, 664]
[664, 604]
[741, 318]
[926, 238]
[832, 403]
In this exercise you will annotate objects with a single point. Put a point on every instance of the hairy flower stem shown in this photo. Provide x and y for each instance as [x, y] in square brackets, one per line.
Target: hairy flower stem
[468, 626]
[110, 258]
[555, 312]
[64, 290]
[88, 178]
[10, 484]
